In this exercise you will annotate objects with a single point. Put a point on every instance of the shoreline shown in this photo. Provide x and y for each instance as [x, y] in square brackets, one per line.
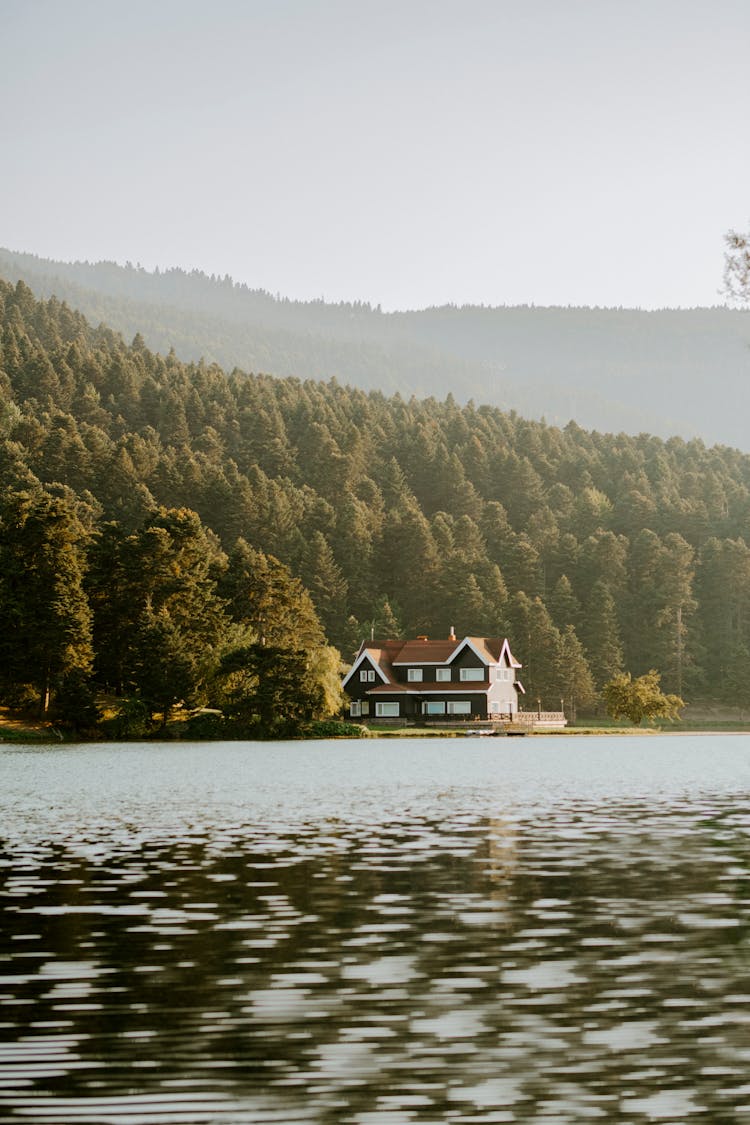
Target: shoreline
[33, 736]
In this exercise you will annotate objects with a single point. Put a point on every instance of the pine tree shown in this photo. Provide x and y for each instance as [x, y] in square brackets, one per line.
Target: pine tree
[164, 665]
[575, 681]
[171, 564]
[384, 622]
[536, 643]
[326, 585]
[601, 635]
[45, 619]
[562, 603]
[261, 592]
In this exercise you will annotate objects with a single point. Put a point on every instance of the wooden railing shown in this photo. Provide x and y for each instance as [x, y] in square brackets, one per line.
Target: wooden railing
[541, 718]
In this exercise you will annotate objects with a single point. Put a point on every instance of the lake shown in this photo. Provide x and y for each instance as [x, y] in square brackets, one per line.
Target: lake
[548, 929]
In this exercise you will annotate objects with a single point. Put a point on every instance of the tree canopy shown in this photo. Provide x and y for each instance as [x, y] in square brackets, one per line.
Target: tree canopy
[202, 510]
[640, 698]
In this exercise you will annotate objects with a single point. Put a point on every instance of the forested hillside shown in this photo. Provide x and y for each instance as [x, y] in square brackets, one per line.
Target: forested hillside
[145, 502]
[670, 372]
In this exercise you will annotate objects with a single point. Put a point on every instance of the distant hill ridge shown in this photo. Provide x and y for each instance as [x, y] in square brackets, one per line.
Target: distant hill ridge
[666, 372]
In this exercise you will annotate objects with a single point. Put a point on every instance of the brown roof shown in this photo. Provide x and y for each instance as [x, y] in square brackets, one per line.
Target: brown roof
[440, 651]
[416, 652]
[387, 653]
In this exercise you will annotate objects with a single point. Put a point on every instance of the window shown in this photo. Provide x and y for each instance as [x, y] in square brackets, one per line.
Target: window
[367, 676]
[433, 708]
[504, 674]
[355, 710]
[442, 674]
[414, 674]
[494, 706]
[459, 707]
[472, 673]
[386, 710]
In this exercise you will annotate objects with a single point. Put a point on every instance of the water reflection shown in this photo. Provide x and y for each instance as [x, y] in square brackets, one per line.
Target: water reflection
[356, 939]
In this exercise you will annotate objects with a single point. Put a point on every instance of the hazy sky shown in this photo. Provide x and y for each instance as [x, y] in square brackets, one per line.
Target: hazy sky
[409, 153]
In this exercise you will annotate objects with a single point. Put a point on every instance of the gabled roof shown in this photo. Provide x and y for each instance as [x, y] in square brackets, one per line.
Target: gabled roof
[490, 650]
[380, 655]
[425, 652]
[383, 655]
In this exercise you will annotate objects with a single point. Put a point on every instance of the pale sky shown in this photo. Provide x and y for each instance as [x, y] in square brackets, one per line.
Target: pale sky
[403, 152]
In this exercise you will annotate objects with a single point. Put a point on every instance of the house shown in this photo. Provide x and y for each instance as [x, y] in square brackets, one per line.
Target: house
[473, 678]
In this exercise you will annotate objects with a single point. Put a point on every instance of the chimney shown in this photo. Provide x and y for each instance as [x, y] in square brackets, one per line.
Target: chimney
[452, 634]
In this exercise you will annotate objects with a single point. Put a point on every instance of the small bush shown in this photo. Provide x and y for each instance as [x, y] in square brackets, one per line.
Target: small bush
[20, 697]
[75, 706]
[131, 721]
[334, 728]
[209, 726]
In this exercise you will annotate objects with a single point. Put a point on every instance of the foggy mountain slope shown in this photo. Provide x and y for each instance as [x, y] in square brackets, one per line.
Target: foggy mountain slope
[684, 372]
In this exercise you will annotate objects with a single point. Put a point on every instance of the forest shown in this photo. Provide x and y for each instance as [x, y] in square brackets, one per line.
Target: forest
[172, 533]
[610, 369]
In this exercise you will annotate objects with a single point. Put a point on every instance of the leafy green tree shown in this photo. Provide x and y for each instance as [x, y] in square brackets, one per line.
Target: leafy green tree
[640, 699]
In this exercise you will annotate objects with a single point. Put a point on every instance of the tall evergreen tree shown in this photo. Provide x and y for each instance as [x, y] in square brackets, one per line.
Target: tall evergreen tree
[601, 635]
[45, 620]
[262, 593]
[326, 585]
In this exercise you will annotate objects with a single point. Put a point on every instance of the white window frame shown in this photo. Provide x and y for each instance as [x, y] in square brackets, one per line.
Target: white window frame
[443, 675]
[367, 676]
[504, 674]
[472, 674]
[459, 706]
[414, 675]
[433, 707]
[385, 710]
[355, 709]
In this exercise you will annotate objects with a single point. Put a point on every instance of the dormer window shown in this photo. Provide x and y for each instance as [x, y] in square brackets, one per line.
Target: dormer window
[414, 675]
[472, 674]
[367, 676]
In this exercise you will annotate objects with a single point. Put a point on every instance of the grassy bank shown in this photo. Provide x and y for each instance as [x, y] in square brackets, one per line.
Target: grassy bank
[19, 727]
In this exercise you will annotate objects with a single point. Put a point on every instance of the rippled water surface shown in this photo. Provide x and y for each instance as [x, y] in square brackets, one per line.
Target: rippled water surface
[479, 930]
